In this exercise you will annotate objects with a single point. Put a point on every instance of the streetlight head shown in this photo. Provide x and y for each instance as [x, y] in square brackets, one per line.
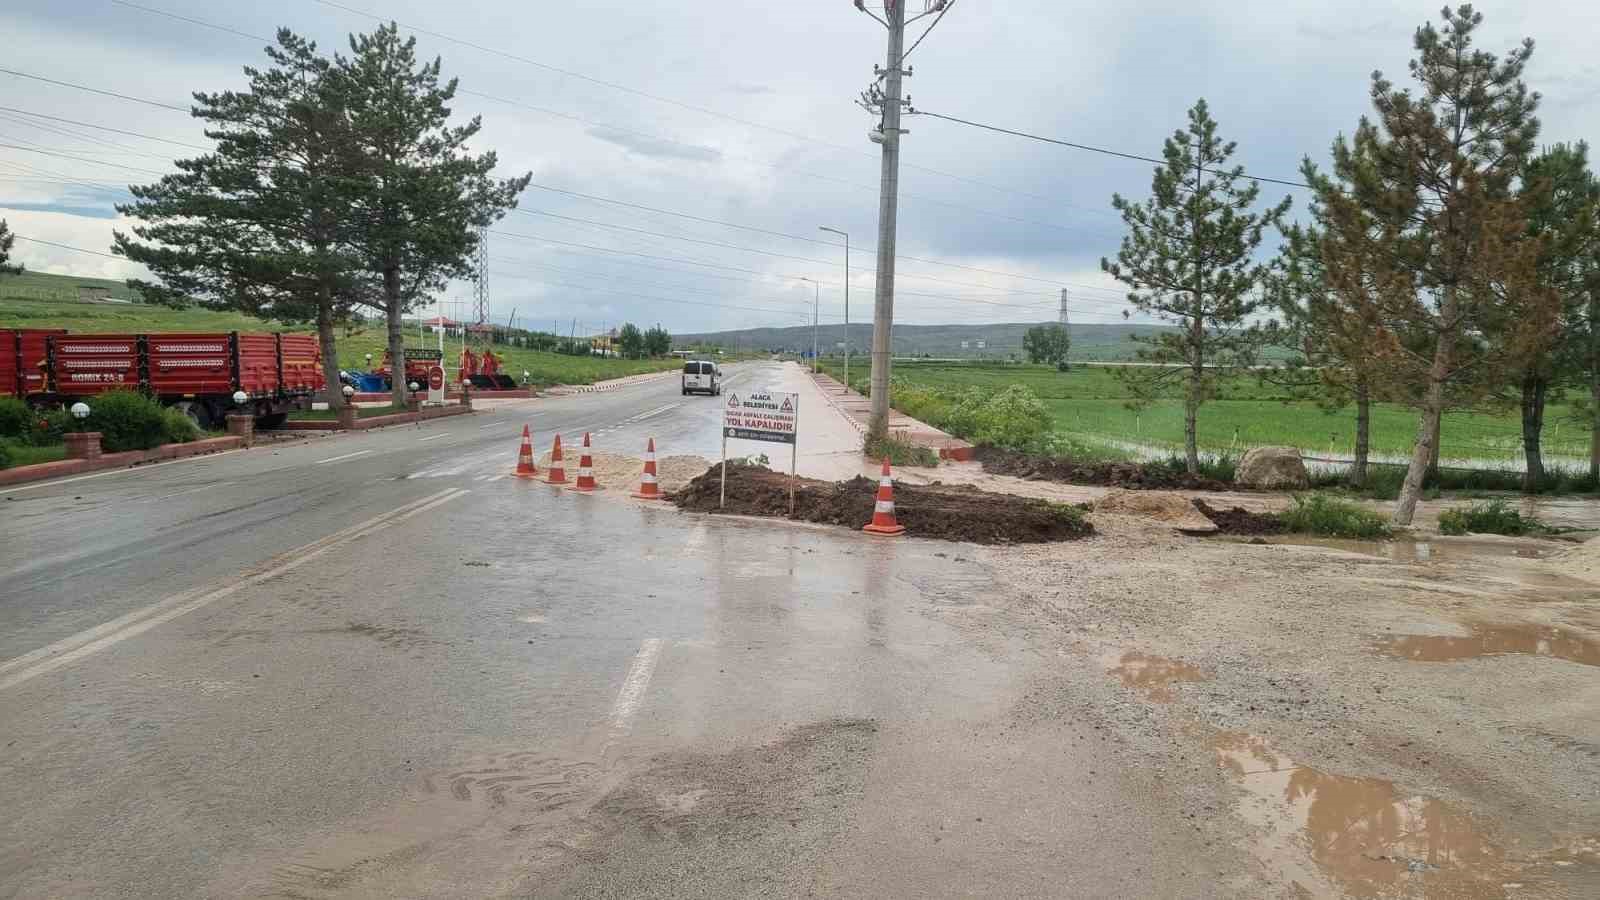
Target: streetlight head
[80, 410]
[239, 398]
[415, 386]
[349, 391]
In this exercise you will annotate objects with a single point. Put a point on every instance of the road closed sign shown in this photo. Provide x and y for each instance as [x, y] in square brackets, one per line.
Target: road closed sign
[761, 416]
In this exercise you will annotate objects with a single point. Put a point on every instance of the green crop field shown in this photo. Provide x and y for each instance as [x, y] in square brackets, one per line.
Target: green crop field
[19, 309]
[1091, 401]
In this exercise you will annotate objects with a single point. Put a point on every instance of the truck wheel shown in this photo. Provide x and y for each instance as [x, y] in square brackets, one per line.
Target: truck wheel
[197, 412]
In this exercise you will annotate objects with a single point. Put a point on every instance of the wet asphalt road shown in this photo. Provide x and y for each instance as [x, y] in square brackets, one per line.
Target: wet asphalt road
[286, 673]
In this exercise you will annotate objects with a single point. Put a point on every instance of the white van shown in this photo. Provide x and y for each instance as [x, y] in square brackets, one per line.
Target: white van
[702, 376]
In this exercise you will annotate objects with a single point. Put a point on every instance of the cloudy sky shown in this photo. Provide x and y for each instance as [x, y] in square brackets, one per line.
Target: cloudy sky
[743, 114]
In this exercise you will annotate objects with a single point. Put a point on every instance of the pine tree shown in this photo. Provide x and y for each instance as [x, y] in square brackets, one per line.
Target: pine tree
[1563, 199]
[1331, 335]
[1434, 176]
[1189, 259]
[6, 240]
[422, 195]
[257, 225]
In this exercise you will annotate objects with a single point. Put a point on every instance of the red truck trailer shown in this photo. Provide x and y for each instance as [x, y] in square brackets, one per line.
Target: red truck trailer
[22, 356]
[198, 373]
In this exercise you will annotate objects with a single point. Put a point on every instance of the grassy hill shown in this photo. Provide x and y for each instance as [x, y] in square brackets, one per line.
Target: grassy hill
[58, 288]
[1089, 342]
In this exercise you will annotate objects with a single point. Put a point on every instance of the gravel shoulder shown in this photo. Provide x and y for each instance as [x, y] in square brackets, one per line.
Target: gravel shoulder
[1460, 686]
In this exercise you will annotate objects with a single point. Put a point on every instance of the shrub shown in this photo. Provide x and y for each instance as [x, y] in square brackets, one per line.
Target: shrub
[47, 427]
[126, 421]
[15, 417]
[1327, 516]
[178, 428]
[1218, 468]
[1493, 517]
[5, 456]
[900, 453]
[1014, 419]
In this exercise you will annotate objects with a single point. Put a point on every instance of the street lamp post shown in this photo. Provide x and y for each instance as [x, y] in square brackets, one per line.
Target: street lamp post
[846, 236]
[816, 301]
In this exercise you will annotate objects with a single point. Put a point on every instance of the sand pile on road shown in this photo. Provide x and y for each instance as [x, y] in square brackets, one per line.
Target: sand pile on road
[1173, 509]
[617, 471]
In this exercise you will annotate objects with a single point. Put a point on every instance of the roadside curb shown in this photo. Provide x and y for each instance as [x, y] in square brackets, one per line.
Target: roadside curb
[128, 459]
[916, 432]
[567, 390]
[405, 418]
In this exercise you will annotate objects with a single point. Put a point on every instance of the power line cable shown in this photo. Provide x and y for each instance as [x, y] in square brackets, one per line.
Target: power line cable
[148, 137]
[33, 240]
[905, 194]
[1117, 153]
[182, 109]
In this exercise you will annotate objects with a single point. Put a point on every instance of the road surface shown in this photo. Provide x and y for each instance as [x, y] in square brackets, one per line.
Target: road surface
[372, 666]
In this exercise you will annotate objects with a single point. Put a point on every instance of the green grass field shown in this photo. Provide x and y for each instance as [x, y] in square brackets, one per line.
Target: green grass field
[1091, 401]
[354, 343]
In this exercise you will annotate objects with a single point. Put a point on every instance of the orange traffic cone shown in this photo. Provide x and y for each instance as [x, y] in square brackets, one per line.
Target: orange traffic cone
[557, 473]
[648, 489]
[883, 521]
[525, 466]
[585, 468]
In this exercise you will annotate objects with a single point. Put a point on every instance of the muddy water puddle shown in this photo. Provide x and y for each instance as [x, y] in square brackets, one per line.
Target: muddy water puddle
[1341, 836]
[1422, 551]
[1493, 640]
[1153, 676]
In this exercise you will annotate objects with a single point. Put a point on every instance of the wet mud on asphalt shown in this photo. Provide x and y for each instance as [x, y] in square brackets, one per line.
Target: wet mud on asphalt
[586, 696]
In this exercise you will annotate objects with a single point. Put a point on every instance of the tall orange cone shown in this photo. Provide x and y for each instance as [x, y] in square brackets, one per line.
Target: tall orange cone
[883, 521]
[525, 466]
[648, 489]
[585, 468]
[557, 473]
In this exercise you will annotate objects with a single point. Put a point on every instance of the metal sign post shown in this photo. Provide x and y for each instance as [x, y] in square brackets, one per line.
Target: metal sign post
[762, 416]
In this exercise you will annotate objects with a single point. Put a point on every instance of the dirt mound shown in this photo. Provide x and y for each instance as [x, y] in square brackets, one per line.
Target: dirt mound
[1132, 476]
[952, 512]
[1240, 520]
[1159, 505]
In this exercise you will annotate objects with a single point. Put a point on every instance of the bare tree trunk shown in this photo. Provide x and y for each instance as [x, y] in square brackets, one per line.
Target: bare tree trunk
[1358, 467]
[1432, 475]
[330, 349]
[1535, 389]
[1594, 387]
[397, 337]
[1191, 438]
[1405, 508]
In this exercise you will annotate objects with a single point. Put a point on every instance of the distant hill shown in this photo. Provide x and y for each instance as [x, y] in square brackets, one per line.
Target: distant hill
[1089, 342]
[43, 286]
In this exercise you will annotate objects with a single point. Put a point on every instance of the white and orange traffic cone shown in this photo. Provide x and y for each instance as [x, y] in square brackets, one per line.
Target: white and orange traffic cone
[525, 466]
[648, 489]
[585, 480]
[557, 473]
[883, 521]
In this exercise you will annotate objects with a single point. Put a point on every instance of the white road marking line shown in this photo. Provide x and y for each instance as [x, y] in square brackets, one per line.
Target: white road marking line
[93, 640]
[123, 471]
[338, 458]
[633, 687]
[490, 425]
[433, 437]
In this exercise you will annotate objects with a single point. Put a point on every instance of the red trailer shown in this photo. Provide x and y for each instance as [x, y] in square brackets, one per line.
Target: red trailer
[22, 360]
[199, 373]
